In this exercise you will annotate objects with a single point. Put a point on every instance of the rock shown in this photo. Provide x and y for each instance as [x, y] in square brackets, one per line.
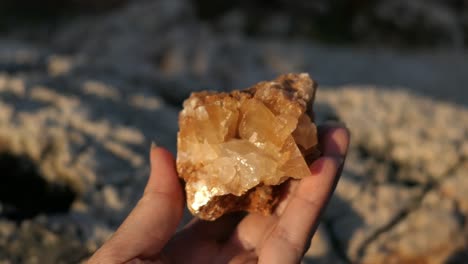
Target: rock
[35, 243]
[236, 149]
[410, 242]
[454, 188]
[58, 140]
[358, 211]
[378, 21]
[397, 134]
[396, 184]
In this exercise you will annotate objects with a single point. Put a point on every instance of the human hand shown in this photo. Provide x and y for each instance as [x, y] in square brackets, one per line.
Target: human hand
[148, 234]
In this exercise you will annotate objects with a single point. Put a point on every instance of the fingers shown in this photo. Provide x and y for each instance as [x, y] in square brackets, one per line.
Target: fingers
[155, 218]
[249, 257]
[333, 139]
[246, 237]
[251, 230]
[287, 240]
[201, 238]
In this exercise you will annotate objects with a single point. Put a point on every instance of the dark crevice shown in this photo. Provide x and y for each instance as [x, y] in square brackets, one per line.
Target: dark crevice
[461, 217]
[394, 172]
[403, 214]
[24, 192]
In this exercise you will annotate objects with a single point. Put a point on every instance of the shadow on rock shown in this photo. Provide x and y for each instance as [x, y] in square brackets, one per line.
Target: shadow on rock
[330, 243]
[24, 193]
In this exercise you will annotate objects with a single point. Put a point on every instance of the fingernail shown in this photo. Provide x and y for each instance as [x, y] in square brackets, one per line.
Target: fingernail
[153, 145]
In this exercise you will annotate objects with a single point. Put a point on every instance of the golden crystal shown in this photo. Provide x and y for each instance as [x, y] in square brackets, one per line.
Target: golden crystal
[234, 148]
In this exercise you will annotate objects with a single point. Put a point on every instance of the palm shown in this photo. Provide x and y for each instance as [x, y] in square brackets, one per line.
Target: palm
[232, 239]
[148, 232]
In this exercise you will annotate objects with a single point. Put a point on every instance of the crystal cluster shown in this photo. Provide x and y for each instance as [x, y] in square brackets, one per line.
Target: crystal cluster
[236, 149]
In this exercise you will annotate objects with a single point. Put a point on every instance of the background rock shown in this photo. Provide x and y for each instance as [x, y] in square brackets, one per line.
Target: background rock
[81, 100]
[404, 23]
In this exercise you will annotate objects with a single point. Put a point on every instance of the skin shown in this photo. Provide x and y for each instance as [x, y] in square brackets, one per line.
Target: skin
[148, 235]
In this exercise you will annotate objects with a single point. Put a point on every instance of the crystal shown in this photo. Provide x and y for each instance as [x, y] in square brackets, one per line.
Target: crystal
[235, 150]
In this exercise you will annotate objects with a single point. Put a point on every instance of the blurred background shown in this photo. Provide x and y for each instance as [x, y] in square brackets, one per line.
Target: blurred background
[85, 86]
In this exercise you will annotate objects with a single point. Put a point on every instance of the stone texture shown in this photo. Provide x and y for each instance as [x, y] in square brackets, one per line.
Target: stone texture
[236, 149]
[33, 242]
[402, 178]
[410, 242]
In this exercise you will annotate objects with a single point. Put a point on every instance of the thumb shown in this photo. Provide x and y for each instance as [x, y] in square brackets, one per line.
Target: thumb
[155, 218]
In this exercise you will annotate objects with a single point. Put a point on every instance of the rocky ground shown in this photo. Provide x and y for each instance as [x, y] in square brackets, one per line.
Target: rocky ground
[81, 101]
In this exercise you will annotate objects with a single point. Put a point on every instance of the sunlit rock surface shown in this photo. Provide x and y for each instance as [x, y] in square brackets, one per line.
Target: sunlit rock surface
[236, 149]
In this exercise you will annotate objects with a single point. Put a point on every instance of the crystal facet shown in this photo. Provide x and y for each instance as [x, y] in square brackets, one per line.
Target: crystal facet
[236, 149]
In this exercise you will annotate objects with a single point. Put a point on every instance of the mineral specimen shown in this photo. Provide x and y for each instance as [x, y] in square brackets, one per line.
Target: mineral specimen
[236, 149]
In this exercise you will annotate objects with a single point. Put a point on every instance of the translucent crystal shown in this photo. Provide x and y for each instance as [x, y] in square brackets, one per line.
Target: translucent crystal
[234, 148]
[305, 133]
[260, 126]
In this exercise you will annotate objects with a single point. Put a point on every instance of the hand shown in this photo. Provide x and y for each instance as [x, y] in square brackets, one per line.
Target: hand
[147, 235]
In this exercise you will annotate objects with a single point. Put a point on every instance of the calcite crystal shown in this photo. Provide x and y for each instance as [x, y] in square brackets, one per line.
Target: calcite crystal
[236, 149]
